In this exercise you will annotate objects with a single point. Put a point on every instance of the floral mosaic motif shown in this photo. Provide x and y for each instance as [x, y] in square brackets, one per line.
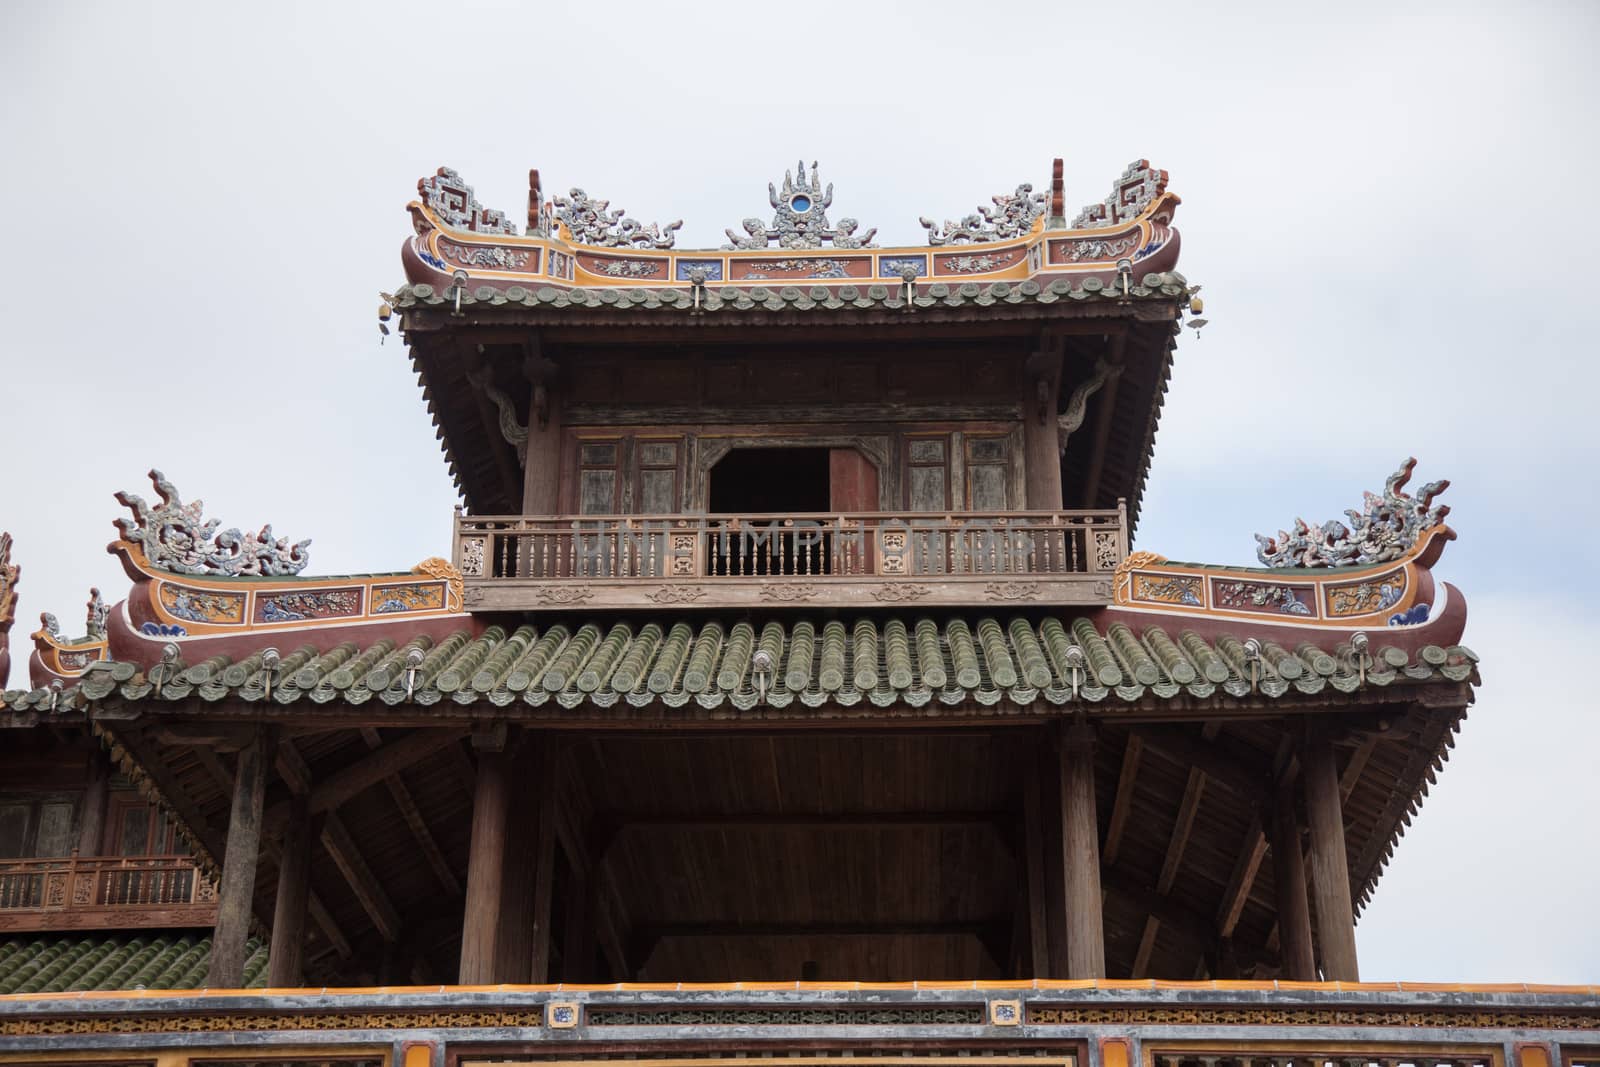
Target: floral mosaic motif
[1249, 596]
[177, 537]
[443, 569]
[195, 605]
[98, 612]
[629, 268]
[710, 270]
[1079, 251]
[1412, 616]
[1367, 597]
[321, 604]
[1172, 589]
[1139, 185]
[1012, 215]
[896, 266]
[393, 599]
[478, 256]
[589, 221]
[973, 264]
[560, 265]
[450, 198]
[800, 218]
[812, 268]
[1385, 529]
[788, 593]
[75, 661]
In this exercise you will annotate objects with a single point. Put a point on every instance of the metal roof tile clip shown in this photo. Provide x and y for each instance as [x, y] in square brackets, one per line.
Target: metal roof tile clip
[1252, 656]
[1075, 668]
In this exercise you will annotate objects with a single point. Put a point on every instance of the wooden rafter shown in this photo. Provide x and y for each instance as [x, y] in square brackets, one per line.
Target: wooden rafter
[338, 787]
[1243, 879]
[368, 890]
[414, 819]
[1124, 802]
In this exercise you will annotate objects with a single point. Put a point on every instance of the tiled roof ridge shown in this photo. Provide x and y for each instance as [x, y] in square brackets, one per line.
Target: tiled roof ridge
[68, 963]
[884, 661]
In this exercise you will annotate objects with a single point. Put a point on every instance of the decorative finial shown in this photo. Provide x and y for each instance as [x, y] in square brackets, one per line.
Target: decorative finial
[589, 221]
[177, 537]
[1011, 216]
[99, 611]
[1385, 529]
[452, 201]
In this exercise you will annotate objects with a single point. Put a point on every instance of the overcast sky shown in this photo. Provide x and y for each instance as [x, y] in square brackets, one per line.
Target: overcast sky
[1388, 210]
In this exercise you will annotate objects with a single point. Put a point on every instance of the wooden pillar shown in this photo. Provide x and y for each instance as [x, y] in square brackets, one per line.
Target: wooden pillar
[285, 960]
[1330, 869]
[541, 476]
[96, 794]
[1080, 844]
[514, 946]
[1055, 885]
[544, 875]
[1289, 879]
[1041, 438]
[1036, 932]
[485, 870]
[236, 894]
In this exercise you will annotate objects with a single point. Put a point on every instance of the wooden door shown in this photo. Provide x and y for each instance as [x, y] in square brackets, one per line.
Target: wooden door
[852, 487]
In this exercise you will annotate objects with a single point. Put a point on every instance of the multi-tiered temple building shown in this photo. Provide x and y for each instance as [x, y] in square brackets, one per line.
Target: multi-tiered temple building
[790, 690]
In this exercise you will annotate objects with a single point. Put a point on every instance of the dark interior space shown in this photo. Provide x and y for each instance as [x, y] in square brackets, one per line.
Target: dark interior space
[770, 480]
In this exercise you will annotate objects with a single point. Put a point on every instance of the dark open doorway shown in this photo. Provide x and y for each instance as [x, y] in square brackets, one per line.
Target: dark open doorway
[770, 481]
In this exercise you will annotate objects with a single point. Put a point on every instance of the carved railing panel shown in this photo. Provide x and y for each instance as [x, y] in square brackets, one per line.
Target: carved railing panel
[1051, 557]
[44, 894]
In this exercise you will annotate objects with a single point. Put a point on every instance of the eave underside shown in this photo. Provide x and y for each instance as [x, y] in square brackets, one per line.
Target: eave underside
[836, 848]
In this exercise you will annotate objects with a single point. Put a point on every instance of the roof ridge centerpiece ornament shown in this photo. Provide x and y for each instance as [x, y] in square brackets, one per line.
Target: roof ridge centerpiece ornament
[591, 221]
[177, 537]
[1386, 528]
[800, 218]
[1011, 216]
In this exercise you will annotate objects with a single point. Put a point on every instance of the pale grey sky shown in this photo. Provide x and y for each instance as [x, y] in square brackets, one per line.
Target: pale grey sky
[1386, 204]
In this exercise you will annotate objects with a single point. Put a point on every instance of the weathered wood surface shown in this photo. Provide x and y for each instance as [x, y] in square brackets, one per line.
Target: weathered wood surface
[1330, 871]
[236, 893]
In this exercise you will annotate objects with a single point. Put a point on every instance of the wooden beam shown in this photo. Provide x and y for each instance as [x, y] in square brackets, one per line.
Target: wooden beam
[413, 817]
[779, 820]
[1080, 843]
[1054, 858]
[544, 875]
[236, 893]
[1330, 869]
[368, 771]
[1289, 881]
[1147, 945]
[285, 958]
[1107, 406]
[1357, 764]
[1181, 746]
[1041, 437]
[485, 870]
[1124, 802]
[96, 793]
[1193, 790]
[1245, 868]
[368, 890]
[1038, 933]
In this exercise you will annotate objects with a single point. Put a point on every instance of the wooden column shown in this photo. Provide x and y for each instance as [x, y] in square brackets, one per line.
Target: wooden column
[541, 476]
[1036, 948]
[237, 892]
[1055, 885]
[285, 964]
[544, 876]
[1289, 880]
[1330, 870]
[514, 946]
[1080, 843]
[485, 870]
[1041, 439]
[96, 793]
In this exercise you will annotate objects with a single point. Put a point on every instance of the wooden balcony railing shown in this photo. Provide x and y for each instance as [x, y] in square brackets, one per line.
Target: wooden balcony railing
[636, 561]
[113, 892]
